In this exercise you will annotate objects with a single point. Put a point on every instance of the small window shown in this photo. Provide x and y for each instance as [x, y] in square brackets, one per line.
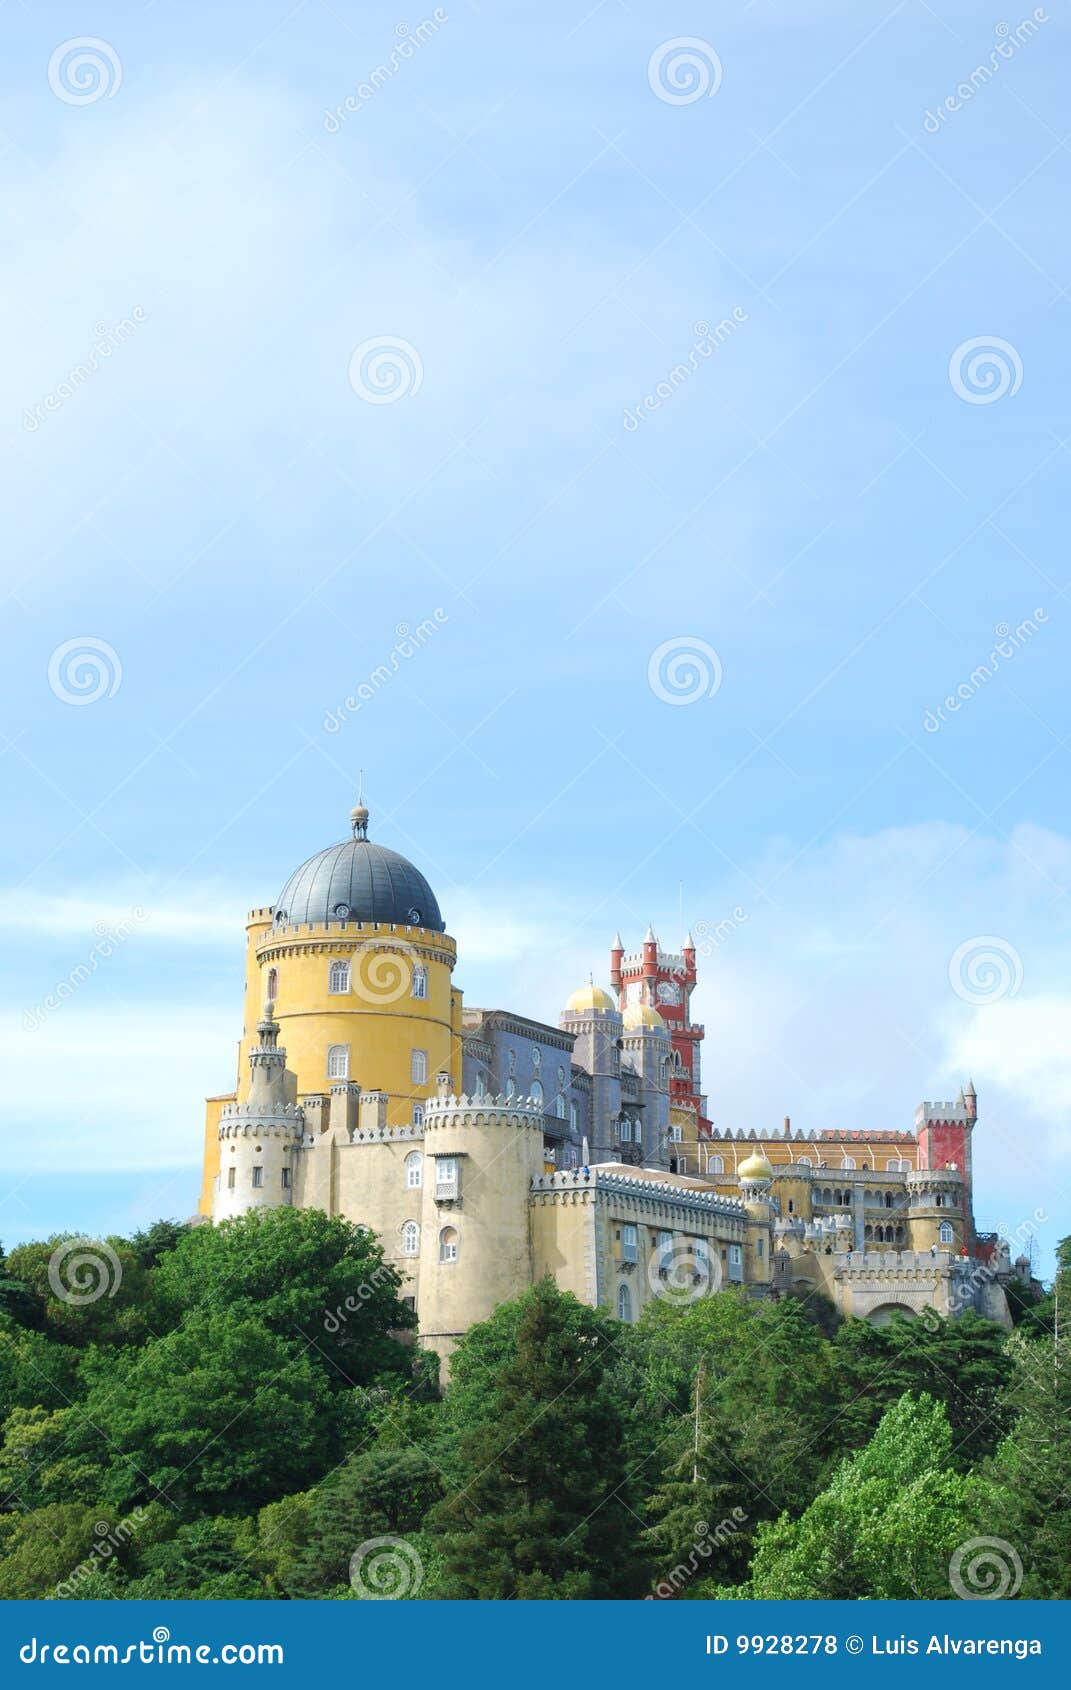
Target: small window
[574, 1118]
[448, 1244]
[896, 1165]
[273, 983]
[420, 982]
[286, 1179]
[847, 1161]
[716, 1165]
[758, 1247]
[414, 1171]
[624, 1131]
[258, 1175]
[624, 1303]
[410, 1239]
[418, 1067]
[481, 1084]
[338, 980]
[561, 1108]
[230, 1178]
[629, 1243]
[338, 1062]
[946, 1233]
[676, 1134]
[805, 1161]
[446, 1176]
[418, 1114]
[511, 1087]
[570, 1159]
[665, 1249]
[537, 1092]
[537, 1057]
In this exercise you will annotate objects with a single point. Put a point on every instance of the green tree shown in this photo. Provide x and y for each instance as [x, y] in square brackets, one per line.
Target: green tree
[220, 1415]
[45, 1548]
[539, 1509]
[887, 1525]
[322, 1282]
[92, 1291]
[698, 1515]
[1031, 1472]
[156, 1240]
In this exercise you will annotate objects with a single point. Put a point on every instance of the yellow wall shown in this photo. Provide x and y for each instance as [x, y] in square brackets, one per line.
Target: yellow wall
[379, 1019]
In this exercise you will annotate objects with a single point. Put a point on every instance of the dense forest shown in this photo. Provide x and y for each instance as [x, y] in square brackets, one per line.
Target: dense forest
[241, 1411]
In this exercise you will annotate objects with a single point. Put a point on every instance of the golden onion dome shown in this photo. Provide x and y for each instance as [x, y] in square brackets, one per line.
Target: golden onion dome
[639, 1015]
[590, 997]
[756, 1167]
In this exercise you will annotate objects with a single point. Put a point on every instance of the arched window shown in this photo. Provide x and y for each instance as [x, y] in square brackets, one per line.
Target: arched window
[716, 1165]
[418, 1114]
[420, 982]
[888, 1199]
[338, 1062]
[448, 1244]
[624, 1303]
[570, 1159]
[896, 1165]
[414, 1170]
[847, 1161]
[338, 980]
[537, 1092]
[273, 983]
[805, 1161]
[561, 1108]
[410, 1239]
[418, 1067]
[511, 1087]
[624, 1132]
[945, 1233]
[481, 1084]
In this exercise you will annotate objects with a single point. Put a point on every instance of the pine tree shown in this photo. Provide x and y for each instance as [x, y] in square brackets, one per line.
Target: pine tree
[539, 1510]
[697, 1514]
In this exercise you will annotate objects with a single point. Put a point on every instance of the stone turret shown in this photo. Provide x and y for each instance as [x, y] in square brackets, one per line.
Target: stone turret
[259, 1139]
[480, 1157]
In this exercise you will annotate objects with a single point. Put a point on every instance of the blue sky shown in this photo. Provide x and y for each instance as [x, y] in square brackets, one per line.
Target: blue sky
[842, 497]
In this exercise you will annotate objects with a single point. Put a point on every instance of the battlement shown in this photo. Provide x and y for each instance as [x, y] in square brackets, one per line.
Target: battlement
[927, 1113]
[651, 1190]
[483, 1111]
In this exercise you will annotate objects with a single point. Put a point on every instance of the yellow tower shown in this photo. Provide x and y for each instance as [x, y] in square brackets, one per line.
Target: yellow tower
[355, 956]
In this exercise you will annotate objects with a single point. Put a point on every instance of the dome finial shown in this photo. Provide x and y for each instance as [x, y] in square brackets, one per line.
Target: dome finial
[359, 813]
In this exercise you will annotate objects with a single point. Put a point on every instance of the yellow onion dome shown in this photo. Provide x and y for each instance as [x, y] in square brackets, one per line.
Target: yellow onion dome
[756, 1167]
[590, 997]
[642, 1015]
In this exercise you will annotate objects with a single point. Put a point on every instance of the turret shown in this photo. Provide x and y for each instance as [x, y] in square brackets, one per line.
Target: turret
[259, 1140]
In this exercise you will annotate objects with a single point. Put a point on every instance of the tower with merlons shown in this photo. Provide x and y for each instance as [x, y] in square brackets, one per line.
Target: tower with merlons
[664, 981]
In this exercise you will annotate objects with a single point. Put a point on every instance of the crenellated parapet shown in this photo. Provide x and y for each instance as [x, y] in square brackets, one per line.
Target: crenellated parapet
[650, 1193]
[938, 1114]
[483, 1112]
[245, 1120]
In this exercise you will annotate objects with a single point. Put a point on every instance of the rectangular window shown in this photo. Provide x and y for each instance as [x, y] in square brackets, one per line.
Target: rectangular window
[758, 1247]
[230, 1179]
[418, 1114]
[446, 1176]
[629, 1246]
[736, 1263]
[676, 1134]
[286, 1178]
[665, 1250]
[420, 982]
[418, 1067]
[624, 1132]
[258, 1174]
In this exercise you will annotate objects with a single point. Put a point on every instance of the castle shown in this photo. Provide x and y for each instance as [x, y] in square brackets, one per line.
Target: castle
[487, 1149]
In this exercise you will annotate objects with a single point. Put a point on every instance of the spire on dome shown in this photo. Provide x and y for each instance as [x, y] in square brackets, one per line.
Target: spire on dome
[359, 813]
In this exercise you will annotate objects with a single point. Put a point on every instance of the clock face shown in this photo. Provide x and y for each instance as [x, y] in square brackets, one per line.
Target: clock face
[668, 992]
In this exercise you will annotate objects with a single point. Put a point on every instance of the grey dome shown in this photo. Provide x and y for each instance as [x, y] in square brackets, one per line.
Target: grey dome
[358, 881]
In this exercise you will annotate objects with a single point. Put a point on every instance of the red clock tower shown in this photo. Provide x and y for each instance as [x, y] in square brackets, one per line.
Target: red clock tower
[665, 982]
